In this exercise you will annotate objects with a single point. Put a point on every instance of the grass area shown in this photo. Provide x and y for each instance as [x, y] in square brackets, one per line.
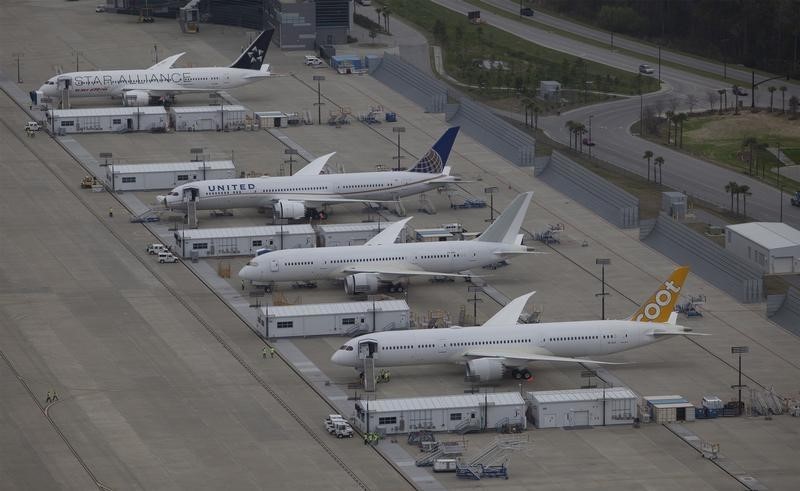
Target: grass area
[523, 64]
[720, 139]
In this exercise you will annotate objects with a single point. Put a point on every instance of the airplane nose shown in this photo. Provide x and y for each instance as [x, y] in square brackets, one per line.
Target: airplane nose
[249, 273]
[339, 357]
[161, 200]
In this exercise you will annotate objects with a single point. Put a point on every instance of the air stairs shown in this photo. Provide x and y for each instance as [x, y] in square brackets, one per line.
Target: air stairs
[191, 213]
[369, 374]
[426, 205]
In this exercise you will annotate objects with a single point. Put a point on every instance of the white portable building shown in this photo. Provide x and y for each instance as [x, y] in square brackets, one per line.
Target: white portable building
[144, 177]
[242, 241]
[772, 247]
[271, 119]
[582, 407]
[347, 234]
[324, 319]
[433, 235]
[107, 119]
[549, 89]
[204, 118]
[669, 409]
[459, 413]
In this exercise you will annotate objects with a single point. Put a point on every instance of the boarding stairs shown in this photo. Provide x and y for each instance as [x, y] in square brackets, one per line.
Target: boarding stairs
[369, 374]
[427, 459]
[467, 426]
[426, 205]
[399, 209]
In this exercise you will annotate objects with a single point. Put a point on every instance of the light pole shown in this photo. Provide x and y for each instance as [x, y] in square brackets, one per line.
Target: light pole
[290, 152]
[475, 290]
[659, 64]
[739, 350]
[590, 134]
[77, 55]
[318, 79]
[105, 156]
[398, 130]
[780, 186]
[603, 262]
[490, 191]
[18, 55]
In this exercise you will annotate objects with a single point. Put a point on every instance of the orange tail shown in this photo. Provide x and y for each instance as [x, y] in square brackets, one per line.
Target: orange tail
[661, 304]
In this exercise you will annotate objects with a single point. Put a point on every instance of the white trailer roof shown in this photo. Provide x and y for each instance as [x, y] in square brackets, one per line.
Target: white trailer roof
[335, 308]
[231, 232]
[770, 235]
[444, 402]
[204, 109]
[433, 232]
[107, 111]
[173, 166]
[353, 227]
[580, 395]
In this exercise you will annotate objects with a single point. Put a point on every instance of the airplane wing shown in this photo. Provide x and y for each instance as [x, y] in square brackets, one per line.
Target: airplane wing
[315, 167]
[517, 358]
[389, 234]
[387, 272]
[509, 315]
[166, 62]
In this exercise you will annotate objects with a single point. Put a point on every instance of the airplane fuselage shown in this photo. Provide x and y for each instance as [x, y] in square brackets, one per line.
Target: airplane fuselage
[112, 83]
[445, 346]
[262, 192]
[333, 262]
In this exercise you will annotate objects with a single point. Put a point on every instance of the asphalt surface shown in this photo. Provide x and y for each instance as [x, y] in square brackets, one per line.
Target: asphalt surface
[611, 121]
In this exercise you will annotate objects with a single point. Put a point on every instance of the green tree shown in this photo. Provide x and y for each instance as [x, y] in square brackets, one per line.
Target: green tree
[721, 93]
[373, 35]
[744, 190]
[794, 102]
[731, 187]
[386, 12]
[648, 155]
[679, 120]
[378, 11]
[750, 142]
[580, 130]
[659, 161]
[570, 125]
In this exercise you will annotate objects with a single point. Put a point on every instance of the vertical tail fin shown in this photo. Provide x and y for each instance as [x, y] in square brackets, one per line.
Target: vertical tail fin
[661, 304]
[506, 227]
[253, 57]
[436, 158]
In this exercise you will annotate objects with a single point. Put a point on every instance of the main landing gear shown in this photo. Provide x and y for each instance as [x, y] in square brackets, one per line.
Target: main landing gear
[523, 374]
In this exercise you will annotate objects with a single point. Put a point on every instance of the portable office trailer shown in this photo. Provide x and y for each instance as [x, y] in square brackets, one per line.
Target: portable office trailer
[433, 235]
[772, 247]
[241, 241]
[325, 319]
[205, 118]
[145, 177]
[271, 119]
[669, 409]
[582, 407]
[347, 234]
[107, 119]
[460, 413]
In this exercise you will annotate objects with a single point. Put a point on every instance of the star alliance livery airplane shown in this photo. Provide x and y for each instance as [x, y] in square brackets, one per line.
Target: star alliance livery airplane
[160, 81]
[300, 195]
[380, 260]
[502, 345]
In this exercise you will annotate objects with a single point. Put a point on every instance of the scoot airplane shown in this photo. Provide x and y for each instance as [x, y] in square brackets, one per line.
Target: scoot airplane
[380, 260]
[503, 345]
[141, 87]
[301, 194]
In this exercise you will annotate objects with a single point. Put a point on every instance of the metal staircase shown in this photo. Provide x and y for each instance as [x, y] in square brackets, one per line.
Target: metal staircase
[369, 374]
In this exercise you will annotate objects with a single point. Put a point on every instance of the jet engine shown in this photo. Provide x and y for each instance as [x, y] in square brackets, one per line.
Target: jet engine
[361, 283]
[136, 98]
[485, 369]
[289, 209]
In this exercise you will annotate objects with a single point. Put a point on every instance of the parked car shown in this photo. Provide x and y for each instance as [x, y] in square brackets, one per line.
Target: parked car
[646, 69]
[146, 219]
[738, 91]
[526, 11]
[312, 61]
[167, 257]
[588, 142]
[32, 126]
[100, 8]
[156, 248]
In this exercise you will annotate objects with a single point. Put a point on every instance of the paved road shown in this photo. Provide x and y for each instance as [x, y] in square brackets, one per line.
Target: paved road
[610, 121]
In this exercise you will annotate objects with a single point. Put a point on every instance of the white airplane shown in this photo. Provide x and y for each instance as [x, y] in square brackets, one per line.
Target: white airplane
[160, 81]
[503, 345]
[300, 195]
[380, 260]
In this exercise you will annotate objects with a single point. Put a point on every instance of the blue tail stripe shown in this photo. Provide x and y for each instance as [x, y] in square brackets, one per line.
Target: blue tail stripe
[436, 158]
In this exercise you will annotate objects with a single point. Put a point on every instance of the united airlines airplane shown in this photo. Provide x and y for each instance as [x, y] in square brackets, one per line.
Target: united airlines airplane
[300, 195]
[504, 346]
[160, 81]
[380, 260]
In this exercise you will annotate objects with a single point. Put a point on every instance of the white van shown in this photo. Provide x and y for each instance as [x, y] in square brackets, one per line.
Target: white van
[156, 248]
[166, 257]
[312, 61]
[32, 126]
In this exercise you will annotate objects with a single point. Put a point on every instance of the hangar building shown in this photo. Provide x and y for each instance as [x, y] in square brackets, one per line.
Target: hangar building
[242, 241]
[325, 319]
[145, 177]
[772, 247]
[456, 413]
[582, 407]
[107, 119]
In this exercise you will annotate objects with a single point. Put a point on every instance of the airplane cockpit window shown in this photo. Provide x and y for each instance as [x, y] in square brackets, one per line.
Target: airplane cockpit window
[345, 347]
[252, 263]
[173, 194]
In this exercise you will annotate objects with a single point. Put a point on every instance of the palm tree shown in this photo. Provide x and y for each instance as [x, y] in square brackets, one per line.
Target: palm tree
[378, 10]
[771, 90]
[750, 142]
[580, 130]
[794, 102]
[648, 155]
[526, 104]
[782, 88]
[731, 187]
[386, 12]
[721, 93]
[735, 91]
[679, 119]
[745, 192]
[659, 161]
[535, 117]
[570, 125]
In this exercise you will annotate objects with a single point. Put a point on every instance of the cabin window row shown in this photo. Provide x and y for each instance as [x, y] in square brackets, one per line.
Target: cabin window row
[298, 263]
[366, 259]
[496, 341]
